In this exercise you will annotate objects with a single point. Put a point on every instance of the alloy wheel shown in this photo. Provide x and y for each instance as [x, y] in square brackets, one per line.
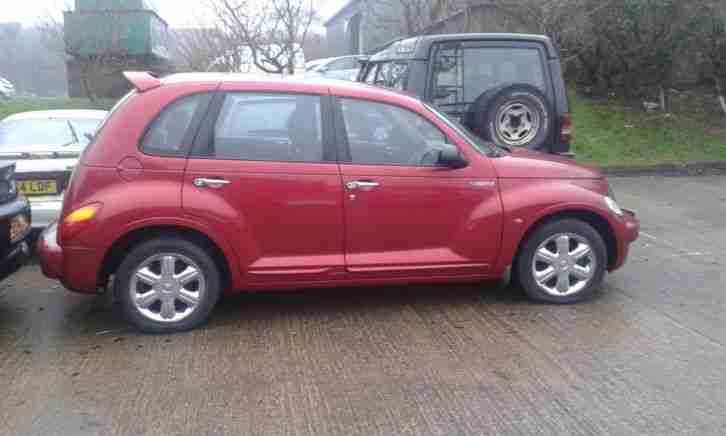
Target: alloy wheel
[167, 287]
[564, 264]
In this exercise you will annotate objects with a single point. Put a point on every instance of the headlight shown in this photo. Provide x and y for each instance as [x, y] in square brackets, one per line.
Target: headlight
[613, 206]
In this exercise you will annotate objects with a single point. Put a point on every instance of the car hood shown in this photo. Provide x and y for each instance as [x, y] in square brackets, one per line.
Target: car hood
[527, 164]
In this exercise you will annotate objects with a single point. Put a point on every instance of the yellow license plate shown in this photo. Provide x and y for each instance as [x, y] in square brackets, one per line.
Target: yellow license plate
[37, 187]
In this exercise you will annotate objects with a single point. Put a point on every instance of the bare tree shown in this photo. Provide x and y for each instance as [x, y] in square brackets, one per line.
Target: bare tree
[200, 49]
[273, 32]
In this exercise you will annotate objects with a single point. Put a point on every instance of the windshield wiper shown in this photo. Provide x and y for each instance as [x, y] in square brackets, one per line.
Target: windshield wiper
[75, 140]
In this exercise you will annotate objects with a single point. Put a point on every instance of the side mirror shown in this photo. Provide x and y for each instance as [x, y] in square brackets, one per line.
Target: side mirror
[451, 158]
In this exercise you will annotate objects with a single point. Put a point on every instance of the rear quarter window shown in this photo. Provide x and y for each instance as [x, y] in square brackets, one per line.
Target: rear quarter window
[172, 131]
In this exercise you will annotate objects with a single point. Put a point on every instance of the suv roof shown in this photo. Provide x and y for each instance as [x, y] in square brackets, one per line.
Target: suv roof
[419, 47]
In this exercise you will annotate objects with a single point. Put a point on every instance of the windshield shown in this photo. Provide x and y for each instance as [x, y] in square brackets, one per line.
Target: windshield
[483, 147]
[52, 132]
[85, 128]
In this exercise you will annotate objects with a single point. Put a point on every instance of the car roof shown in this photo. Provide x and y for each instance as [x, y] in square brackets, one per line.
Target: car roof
[61, 114]
[419, 47]
[298, 84]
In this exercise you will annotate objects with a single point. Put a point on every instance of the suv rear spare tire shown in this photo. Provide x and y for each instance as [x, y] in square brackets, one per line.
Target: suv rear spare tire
[513, 115]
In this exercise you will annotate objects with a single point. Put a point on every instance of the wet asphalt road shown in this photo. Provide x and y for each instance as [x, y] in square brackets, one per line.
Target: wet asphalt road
[647, 356]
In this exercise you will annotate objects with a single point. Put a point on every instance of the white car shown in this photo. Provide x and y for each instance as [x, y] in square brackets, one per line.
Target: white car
[46, 146]
[342, 68]
[7, 89]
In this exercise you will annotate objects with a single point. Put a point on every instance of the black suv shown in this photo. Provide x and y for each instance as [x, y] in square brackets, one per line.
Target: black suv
[506, 88]
[14, 222]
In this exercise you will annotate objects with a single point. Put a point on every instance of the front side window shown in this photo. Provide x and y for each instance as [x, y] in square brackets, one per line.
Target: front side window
[383, 134]
[269, 127]
[168, 135]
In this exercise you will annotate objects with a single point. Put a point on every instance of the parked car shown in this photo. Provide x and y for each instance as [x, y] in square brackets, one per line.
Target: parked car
[342, 68]
[14, 223]
[46, 145]
[7, 89]
[506, 88]
[199, 185]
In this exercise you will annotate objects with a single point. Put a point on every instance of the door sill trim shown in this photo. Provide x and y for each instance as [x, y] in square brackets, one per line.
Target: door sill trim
[395, 268]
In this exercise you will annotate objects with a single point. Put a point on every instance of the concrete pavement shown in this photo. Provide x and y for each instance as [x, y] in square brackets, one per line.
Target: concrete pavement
[645, 357]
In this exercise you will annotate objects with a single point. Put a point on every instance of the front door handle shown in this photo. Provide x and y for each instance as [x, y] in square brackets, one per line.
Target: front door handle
[210, 183]
[361, 184]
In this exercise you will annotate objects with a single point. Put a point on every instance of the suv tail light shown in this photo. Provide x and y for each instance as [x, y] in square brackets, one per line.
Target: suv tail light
[76, 221]
[566, 129]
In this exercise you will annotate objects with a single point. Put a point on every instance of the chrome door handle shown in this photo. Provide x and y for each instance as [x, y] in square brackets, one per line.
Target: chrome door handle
[210, 183]
[361, 184]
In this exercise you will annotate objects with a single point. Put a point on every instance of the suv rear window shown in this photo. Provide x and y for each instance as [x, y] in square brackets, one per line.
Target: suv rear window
[462, 74]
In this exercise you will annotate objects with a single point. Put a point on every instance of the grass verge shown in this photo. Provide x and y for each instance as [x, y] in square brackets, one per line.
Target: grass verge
[26, 104]
[608, 134]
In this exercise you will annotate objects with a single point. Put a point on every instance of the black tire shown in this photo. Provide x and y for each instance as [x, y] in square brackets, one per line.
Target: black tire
[176, 246]
[482, 116]
[571, 227]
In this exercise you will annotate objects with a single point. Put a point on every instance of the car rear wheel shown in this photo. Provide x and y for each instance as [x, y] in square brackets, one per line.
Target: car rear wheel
[562, 262]
[167, 285]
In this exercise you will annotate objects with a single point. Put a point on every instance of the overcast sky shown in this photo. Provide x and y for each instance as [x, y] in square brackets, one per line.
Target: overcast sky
[178, 13]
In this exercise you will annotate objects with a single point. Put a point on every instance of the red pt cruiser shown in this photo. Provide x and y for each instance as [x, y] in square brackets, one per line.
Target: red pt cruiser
[201, 184]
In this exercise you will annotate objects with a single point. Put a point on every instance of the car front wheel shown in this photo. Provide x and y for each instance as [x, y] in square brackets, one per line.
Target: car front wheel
[562, 262]
[167, 285]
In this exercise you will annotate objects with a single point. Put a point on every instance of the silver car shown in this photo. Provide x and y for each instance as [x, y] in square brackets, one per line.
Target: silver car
[341, 68]
[7, 89]
[46, 146]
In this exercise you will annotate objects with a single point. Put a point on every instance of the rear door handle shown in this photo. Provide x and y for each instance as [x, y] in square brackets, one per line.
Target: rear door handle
[210, 183]
[361, 184]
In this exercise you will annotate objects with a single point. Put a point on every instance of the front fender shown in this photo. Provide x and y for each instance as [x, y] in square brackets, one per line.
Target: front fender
[527, 202]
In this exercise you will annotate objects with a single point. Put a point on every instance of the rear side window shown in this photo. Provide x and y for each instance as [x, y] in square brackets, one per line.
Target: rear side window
[389, 74]
[370, 76]
[269, 127]
[171, 132]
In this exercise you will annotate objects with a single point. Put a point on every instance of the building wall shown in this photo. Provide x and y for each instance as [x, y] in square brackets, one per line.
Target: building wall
[340, 33]
[485, 19]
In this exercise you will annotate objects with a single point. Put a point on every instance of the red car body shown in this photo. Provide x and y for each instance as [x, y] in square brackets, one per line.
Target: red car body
[285, 225]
